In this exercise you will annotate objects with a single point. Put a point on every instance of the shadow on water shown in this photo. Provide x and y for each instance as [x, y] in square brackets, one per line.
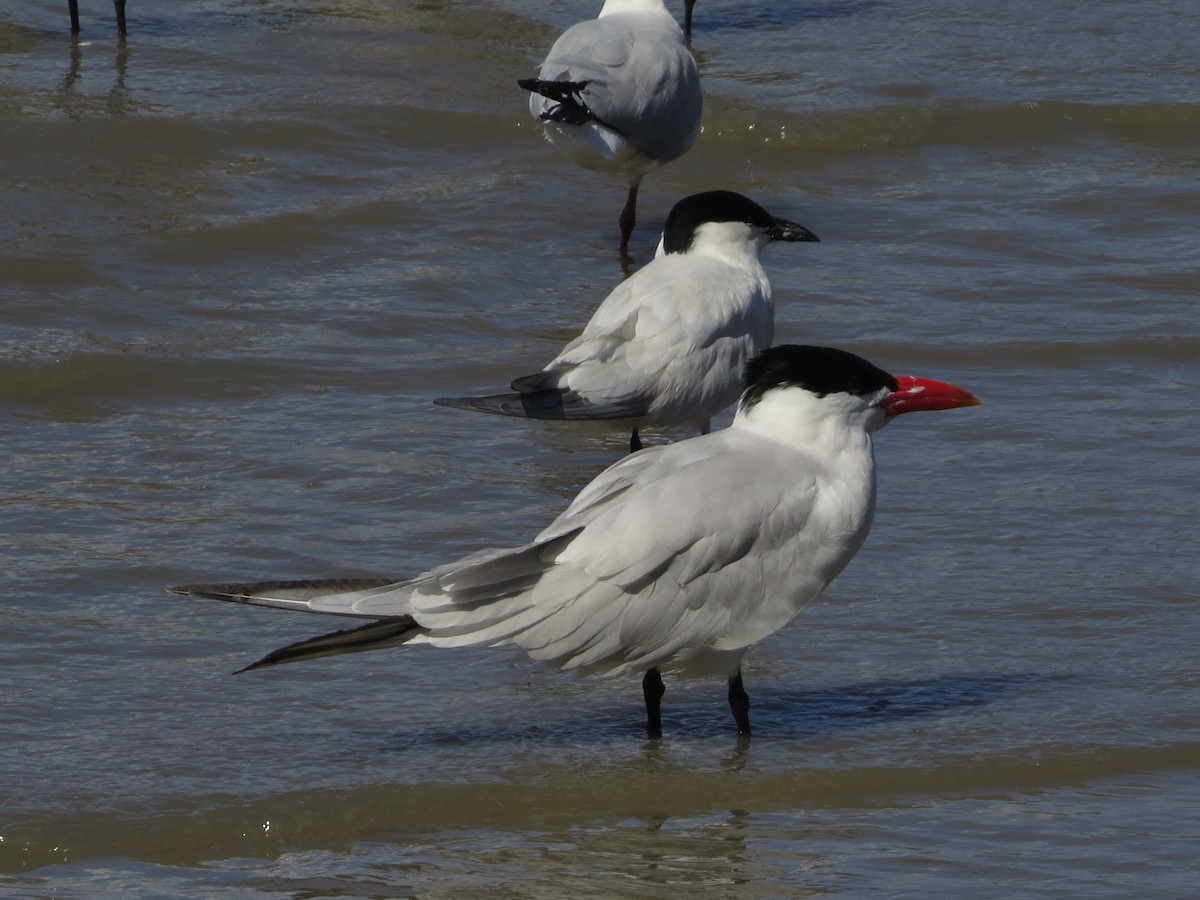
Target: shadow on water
[867, 704]
[776, 713]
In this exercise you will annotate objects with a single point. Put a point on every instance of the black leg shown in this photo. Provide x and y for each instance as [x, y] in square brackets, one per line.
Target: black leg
[628, 218]
[73, 8]
[653, 690]
[635, 442]
[687, 19]
[120, 8]
[739, 702]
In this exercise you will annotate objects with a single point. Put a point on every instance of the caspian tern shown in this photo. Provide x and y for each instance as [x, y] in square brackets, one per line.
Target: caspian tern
[621, 94]
[670, 343]
[676, 559]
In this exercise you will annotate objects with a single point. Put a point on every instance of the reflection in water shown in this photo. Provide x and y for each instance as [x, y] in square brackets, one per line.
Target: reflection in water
[652, 857]
[117, 100]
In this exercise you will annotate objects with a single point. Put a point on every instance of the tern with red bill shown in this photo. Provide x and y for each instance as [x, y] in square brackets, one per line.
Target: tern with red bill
[676, 559]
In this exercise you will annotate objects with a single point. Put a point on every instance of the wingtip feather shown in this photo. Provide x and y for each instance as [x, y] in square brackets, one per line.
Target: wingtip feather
[540, 405]
[552, 403]
[390, 632]
[280, 594]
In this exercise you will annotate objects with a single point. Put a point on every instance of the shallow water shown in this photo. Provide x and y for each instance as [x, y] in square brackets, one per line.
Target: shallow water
[243, 250]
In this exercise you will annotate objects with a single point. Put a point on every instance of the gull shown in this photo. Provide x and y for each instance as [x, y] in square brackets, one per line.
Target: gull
[676, 559]
[621, 94]
[670, 343]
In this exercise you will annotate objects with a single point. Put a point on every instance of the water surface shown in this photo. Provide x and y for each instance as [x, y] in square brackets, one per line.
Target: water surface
[242, 251]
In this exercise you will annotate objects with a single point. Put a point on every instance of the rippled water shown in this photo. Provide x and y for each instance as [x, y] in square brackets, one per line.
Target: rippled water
[241, 252]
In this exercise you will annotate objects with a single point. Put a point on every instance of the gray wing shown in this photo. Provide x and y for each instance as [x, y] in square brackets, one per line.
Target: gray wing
[673, 338]
[677, 555]
[684, 551]
[638, 78]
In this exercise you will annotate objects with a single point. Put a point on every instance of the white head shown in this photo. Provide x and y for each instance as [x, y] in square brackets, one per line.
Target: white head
[638, 6]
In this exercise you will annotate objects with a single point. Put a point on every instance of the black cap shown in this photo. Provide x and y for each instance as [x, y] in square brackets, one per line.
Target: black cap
[820, 370]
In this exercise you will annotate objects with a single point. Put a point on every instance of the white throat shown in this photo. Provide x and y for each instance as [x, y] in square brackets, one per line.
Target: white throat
[735, 242]
[634, 6]
[833, 426]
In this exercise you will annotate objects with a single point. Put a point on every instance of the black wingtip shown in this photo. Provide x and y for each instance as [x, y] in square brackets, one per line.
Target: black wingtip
[569, 108]
[496, 404]
[554, 403]
[207, 591]
[537, 405]
[389, 632]
[561, 91]
[453, 402]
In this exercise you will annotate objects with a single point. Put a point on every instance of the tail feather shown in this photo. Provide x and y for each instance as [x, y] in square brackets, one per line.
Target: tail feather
[390, 632]
[569, 107]
[297, 595]
[555, 403]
